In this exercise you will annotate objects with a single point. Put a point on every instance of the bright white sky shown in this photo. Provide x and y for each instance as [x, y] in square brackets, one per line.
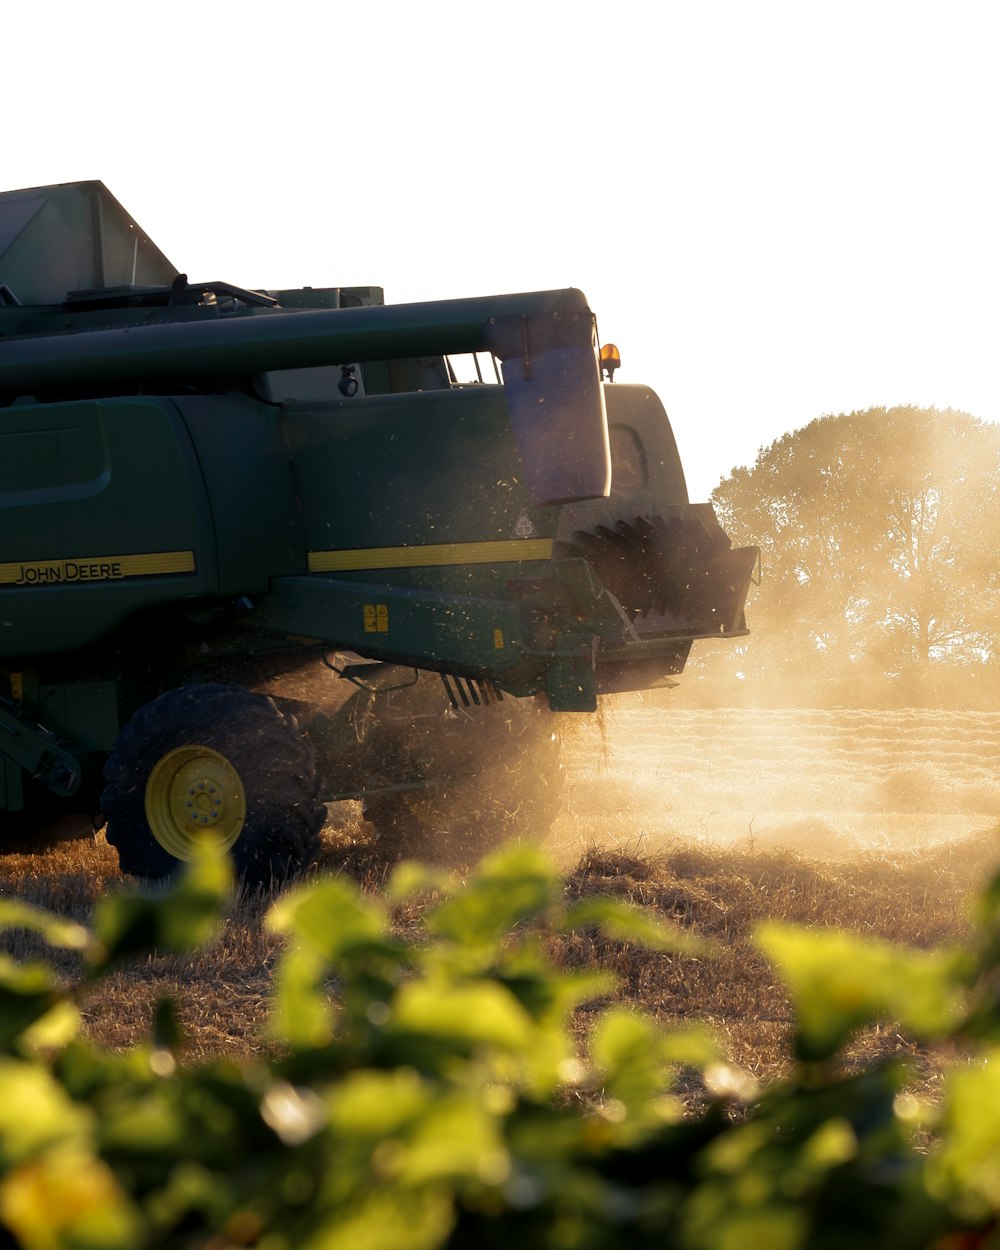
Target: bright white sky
[777, 210]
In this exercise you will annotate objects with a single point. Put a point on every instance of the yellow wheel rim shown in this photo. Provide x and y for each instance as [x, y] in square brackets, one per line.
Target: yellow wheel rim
[194, 798]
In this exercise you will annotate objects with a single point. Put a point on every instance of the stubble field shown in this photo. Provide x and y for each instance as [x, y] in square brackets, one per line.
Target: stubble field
[828, 783]
[881, 822]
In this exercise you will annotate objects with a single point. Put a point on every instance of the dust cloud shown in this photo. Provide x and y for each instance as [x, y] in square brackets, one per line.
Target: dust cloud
[861, 714]
[826, 783]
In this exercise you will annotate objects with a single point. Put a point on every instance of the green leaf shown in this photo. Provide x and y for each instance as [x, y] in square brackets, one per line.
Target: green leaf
[301, 1014]
[635, 1056]
[987, 915]
[330, 918]
[689, 1046]
[174, 920]
[67, 1199]
[461, 1017]
[514, 885]
[624, 922]
[547, 995]
[28, 992]
[396, 1217]
[413, 877]
[329, 927]
[191, 1192]
[57, 931]
[717, 1222]
[36, 1113]
[840, 982]
[410, 1131]
[455, 1140]
[966, 1168]
[146, 1121]
[54, 1030]
[623, 1047]
[372, 1106]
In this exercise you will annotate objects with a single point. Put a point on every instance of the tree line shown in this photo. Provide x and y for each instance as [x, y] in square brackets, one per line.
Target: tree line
[879, 534]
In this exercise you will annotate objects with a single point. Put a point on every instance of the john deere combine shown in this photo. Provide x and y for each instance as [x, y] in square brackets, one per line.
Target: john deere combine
[261, 550]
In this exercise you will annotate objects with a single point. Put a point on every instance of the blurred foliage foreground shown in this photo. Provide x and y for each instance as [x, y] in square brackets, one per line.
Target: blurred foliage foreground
[432, 1092]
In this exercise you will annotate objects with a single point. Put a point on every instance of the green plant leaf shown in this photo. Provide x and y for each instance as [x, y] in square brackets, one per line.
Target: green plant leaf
[412, 877]
[57, 1028]
[460, 1017]
[394, 1217]
[171, 920]
[330, 918]
[146, 1122]
[625, 923]
[57, 931]
[966, 1168]
[36, 1113]
[329, 927]
[987, 917]
[635, 1057]
[840, 981]
[623, 1047]
[28, 992]
[301, 1014]
[516, 884]
[66, 1199]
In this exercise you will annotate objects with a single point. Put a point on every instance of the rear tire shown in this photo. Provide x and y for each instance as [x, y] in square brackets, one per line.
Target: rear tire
[213, 763]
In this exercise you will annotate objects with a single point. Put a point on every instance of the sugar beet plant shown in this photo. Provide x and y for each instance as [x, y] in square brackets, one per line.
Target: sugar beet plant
[432, 1092]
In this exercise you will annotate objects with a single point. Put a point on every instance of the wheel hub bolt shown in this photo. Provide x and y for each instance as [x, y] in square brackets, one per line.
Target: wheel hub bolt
[203, 803]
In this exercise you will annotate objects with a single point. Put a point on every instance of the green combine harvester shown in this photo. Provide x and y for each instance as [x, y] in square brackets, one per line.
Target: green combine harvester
[262, 550]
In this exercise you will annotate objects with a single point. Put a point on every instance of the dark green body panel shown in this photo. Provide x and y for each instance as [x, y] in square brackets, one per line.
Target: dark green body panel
[449, 455]
[82, 485]
[245, 465]
[529, 624]
[250, 490]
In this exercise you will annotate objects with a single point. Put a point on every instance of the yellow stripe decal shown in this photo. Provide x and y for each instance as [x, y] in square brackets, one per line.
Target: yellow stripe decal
[95, 568]
[428, 554]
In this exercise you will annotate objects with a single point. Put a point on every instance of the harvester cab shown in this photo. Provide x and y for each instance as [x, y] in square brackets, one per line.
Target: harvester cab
[264, 549]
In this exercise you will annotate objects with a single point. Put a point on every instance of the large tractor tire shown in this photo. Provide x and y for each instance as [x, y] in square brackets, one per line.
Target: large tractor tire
[217, 764]
[479, 776]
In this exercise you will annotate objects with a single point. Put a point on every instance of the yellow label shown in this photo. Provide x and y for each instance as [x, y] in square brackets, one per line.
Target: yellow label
[17, 685]
[95, 568]
[427, 555]
[376, 618]
[498, 639]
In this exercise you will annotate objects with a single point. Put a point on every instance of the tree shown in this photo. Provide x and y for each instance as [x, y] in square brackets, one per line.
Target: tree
[880, 542]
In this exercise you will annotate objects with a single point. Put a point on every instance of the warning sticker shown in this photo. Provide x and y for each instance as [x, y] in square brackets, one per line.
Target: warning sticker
[376, 617]
[524, 527]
